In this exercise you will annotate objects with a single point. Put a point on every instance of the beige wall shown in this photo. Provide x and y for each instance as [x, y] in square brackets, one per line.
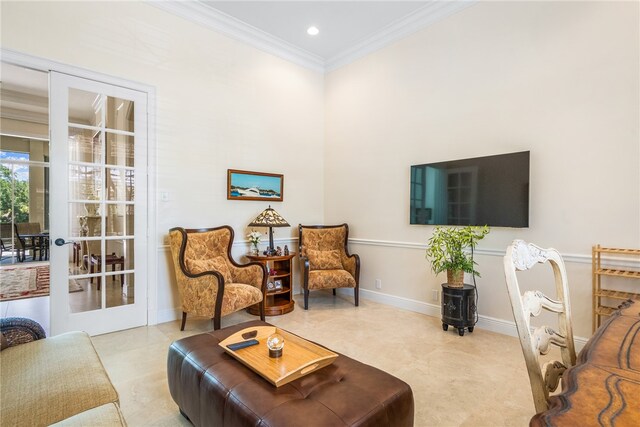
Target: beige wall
[559, 79]
[220, 104]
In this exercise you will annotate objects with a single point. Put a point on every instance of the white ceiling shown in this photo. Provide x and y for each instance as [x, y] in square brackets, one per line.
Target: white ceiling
[341, 23]
[348, 29]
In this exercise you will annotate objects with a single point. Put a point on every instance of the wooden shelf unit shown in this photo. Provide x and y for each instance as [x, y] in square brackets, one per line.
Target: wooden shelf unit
[598, 271]
[279, 301]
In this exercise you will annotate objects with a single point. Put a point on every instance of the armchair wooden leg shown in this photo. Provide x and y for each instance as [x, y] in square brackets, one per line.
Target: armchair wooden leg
[356, 294]
[184, 320]
[216, 322]
[306, 299]
[262, 310]
[334, 292]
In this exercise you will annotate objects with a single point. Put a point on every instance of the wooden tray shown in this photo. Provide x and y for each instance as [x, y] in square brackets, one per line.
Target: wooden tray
[299, 356]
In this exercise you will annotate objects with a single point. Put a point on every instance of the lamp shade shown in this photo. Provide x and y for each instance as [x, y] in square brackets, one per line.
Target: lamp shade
[269, 218]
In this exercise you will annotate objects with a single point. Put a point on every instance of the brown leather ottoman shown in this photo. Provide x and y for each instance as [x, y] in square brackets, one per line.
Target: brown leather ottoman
[212, 388]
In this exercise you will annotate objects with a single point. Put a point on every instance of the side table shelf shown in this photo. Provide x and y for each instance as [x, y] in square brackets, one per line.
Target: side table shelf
[598, 271]
[279, 301]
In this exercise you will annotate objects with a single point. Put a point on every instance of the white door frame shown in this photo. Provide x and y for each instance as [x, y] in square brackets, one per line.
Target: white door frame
[43, 64]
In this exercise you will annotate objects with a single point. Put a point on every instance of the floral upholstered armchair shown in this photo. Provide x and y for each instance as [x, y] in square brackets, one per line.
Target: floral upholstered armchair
[325, 261]
[210, 282]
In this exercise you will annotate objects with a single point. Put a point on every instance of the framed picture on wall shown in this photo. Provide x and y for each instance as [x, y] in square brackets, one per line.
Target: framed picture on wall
[247, 185]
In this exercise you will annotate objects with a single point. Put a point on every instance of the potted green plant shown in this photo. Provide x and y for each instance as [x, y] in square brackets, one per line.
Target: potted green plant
[448, 249]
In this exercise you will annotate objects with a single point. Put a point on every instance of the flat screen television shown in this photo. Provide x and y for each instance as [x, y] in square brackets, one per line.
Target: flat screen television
[491, 190]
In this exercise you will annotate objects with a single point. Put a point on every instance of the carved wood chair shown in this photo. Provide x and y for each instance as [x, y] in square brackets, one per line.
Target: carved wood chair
[523, 256]
[209, 281]
[27, 239]
[325, 261]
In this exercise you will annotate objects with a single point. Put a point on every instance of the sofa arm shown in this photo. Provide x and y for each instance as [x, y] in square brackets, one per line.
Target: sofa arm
[19, 330]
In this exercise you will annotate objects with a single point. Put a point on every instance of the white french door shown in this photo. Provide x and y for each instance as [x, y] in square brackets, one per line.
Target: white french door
[98, 226]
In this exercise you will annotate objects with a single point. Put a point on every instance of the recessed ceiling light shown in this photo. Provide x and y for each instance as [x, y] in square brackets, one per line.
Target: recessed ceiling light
[313, 31]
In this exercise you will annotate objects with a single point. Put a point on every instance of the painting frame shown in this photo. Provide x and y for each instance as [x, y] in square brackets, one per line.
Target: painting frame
[250, 185]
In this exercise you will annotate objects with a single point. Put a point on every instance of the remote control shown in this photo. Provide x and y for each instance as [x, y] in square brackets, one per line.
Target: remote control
[242, 344]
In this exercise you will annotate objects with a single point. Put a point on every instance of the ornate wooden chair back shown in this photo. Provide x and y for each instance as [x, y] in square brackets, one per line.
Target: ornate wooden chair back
[544, 379]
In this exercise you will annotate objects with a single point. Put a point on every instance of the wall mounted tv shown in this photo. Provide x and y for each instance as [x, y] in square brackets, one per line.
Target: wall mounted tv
[492, 190]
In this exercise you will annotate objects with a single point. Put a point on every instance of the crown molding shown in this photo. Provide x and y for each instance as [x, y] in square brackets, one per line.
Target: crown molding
[216, 20]
[428, 15]
[421, 18]
[24, 116]
[21, 97]
[200, 13]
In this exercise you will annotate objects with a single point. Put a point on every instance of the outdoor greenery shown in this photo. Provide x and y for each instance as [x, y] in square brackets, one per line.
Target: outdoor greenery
[448, 248]
[21, 202]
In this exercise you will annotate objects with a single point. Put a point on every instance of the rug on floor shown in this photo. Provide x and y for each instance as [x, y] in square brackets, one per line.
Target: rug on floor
[27, 282]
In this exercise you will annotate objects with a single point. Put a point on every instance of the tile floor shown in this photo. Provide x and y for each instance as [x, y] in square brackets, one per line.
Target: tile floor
[476, 380]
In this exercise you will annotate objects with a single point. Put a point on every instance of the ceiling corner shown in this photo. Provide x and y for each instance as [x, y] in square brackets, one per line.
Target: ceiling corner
[421, 18]
[199, 13]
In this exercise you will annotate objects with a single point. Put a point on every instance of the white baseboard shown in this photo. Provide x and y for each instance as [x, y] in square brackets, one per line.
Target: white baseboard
[169, 315]
[400, 302]
[492, 324]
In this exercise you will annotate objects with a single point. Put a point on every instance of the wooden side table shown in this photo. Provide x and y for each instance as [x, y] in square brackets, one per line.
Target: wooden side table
[458, 307]
[279, 301]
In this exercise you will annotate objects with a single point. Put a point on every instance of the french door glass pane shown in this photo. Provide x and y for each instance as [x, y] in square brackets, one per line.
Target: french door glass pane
[85, 182]
[122, 251]
[120, 114]
[119, 220]
[85, 108]
[120, 289]
[85, 145]
[81, 223]
[119, 149]
[120, 183]
[83, 295]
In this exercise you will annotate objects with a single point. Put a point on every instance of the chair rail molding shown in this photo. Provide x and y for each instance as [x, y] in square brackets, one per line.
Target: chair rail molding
[572, 258]
[236, 243]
